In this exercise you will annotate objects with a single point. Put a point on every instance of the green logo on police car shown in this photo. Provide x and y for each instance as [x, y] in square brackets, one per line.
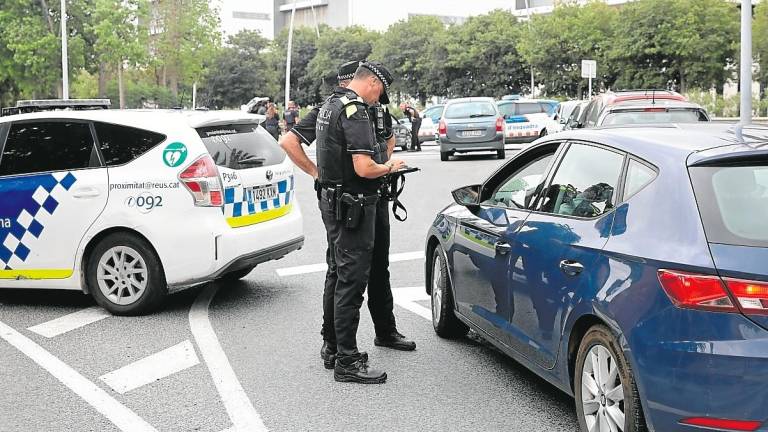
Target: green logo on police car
[175, 154]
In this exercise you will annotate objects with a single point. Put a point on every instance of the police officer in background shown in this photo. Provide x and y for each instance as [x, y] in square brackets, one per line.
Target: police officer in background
[380, 301]
[350, 165]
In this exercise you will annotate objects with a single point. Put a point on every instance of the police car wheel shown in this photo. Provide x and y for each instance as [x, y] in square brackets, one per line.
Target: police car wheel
[125, 276]
[236, 275]
[444, 319]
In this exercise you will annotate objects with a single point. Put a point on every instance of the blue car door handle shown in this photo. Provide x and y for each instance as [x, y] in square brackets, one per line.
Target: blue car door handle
[502, 248]
[571, 268]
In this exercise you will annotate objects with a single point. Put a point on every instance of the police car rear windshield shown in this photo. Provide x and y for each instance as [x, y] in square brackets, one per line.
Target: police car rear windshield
[241, 146]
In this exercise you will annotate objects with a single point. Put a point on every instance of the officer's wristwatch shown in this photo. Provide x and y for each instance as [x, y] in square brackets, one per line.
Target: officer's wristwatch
[389, 167]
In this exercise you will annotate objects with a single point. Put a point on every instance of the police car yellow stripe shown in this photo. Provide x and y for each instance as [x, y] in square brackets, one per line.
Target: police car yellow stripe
[241, 221]
[36, 274]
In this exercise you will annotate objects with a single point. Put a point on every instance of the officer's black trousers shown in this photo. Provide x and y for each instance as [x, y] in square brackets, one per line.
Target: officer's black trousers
[359, 257]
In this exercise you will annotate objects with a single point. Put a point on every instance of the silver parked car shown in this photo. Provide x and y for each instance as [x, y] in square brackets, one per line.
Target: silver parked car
[471, 124]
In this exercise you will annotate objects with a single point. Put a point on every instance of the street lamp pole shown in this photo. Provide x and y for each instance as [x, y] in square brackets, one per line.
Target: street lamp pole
[64, 65]
[288, 59]
[745, 77]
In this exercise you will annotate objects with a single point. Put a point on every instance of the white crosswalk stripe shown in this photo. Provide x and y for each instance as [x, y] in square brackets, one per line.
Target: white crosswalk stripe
[407, 298]
[153, 368]
[319, 268]
[70, 322]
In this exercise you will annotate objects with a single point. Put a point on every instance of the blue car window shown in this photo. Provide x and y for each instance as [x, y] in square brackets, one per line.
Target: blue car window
[638, 175]
[584, 183]
[520, 188]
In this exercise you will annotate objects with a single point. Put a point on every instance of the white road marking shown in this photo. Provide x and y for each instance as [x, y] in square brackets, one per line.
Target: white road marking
[114, 411]
[70, 322]
[318, 268]
[244, 417]
[407, 298]
[150, 369]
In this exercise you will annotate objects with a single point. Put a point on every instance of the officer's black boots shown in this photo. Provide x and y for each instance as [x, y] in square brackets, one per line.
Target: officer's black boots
[396, 341]
[328, 354]
[356, 370]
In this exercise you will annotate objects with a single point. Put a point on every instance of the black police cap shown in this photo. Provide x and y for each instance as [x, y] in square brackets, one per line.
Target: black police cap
[383, 74]
[347, 70]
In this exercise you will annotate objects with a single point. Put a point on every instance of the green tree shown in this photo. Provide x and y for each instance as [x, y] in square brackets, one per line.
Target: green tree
[675, 43]
[30, 45]
[760, 44]
[120, 37]
[556, 43]
[303, 51]
[414, 52]
[239, 71]
[334, 48]
[186, 35]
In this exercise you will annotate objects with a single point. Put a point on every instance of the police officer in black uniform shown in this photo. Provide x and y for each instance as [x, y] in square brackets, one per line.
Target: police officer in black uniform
[380, 301]
[350, 168]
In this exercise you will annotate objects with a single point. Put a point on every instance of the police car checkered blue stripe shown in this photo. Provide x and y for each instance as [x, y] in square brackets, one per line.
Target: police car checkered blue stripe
[26, 202]
[239, 201]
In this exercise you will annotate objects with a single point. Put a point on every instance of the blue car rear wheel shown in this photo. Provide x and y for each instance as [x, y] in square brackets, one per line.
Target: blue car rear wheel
[607, 399]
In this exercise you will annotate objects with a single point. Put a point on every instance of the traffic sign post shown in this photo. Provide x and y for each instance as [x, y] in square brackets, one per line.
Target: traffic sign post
[589, 70]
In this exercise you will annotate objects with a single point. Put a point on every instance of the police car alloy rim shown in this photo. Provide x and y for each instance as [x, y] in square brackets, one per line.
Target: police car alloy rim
[602, 392]
[122, 275]
[437, 292]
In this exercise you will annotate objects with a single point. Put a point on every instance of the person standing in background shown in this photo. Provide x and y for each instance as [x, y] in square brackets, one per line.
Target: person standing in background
[291, 116]
[272, 122]
[415, 119]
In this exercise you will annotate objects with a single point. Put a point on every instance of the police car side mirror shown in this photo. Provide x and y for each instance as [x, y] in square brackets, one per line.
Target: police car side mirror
[468, 196]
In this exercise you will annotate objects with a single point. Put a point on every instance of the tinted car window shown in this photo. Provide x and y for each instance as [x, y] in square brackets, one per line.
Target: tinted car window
[47, 146]
[529, 108]
[469, 110]
[645, 117]
[733, 202]
[584, 183]
[519, 190]
[638, 175]
[241, 146]
[122, 144]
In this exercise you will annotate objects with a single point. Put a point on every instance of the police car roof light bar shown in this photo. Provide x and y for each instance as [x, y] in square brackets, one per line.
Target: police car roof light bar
[29, 106]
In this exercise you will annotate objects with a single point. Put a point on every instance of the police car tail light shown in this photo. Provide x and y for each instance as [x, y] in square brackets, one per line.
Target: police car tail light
[442, 129]
[500, 124]
[201, 179]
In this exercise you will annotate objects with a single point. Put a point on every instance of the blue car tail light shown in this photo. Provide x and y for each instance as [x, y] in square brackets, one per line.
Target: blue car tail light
[722, 424]
[707, 292]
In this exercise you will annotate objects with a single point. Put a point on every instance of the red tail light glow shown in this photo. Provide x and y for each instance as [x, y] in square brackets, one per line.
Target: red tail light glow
[706, 292]
[655, 110]
[500, 124]
[692, 291]
[442, 128]
[752, 296]
[722, 424]
[201, 178]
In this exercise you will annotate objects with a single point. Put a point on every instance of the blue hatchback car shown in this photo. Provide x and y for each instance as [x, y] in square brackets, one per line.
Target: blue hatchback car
[626, 266]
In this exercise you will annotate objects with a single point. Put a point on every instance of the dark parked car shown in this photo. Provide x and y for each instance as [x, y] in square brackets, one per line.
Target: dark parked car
[471, 124]
[627, 267]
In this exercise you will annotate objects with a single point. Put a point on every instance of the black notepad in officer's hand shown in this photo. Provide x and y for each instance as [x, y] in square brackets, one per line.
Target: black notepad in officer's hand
[405, 170]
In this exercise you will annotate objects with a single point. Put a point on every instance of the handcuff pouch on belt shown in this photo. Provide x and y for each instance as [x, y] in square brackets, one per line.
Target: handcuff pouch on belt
[348, 207]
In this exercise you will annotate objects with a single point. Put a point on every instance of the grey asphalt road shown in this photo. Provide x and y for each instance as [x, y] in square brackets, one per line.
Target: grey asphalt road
[268, 326]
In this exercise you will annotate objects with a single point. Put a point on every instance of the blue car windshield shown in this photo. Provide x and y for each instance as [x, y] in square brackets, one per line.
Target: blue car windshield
[463, 110]
[734, 203]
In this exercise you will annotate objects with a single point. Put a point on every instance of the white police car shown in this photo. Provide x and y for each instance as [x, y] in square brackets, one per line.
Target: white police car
[131, 205]
[527, 119]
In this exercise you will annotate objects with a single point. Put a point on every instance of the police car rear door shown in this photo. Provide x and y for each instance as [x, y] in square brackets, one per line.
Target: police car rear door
[256, 176]
[53, 186]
